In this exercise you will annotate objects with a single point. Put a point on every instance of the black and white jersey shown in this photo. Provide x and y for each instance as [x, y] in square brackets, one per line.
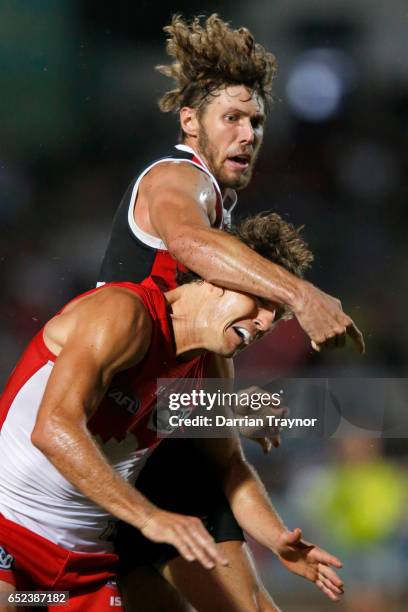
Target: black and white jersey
[132, 254]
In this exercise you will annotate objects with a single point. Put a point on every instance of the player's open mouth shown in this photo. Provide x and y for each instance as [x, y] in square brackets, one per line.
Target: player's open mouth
[243, 334]
[239, 161]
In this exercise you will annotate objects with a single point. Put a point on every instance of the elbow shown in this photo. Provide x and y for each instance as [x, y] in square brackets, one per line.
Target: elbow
[43, 437]
[38, 439]
[188, 240]
[195, 248]
[181, 243]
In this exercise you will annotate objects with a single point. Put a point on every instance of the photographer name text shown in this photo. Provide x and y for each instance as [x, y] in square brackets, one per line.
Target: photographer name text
[177, 420]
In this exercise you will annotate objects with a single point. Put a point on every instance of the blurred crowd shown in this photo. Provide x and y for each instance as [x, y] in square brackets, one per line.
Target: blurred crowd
[80, 119]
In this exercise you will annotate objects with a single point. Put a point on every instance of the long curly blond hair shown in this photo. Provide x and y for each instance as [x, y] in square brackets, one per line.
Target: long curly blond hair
[209, 54]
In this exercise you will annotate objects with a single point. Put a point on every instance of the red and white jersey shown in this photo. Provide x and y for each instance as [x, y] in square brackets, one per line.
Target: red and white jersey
[33, 493]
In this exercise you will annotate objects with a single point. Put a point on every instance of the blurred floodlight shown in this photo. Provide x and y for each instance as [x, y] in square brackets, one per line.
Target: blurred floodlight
[317, 83]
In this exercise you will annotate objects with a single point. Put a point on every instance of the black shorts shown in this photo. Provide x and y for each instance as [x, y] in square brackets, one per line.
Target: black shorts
[177, 478]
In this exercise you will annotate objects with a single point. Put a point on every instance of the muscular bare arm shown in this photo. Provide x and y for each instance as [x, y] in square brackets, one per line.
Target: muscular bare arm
[181, 201]
[256, 515]
[98, 338]
[101, 335]
[247, 496]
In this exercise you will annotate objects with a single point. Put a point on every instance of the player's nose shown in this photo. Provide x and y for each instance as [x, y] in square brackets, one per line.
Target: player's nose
[264, 319]
[247, 133]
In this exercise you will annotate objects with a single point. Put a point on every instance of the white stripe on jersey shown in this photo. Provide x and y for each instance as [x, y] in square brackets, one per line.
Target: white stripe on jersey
[154, 241]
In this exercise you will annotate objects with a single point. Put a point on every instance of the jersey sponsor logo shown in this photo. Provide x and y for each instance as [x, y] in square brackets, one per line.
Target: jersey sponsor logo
[122, 399]
[6, 560]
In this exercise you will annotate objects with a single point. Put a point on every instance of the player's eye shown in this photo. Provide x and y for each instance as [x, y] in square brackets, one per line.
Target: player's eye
[231, 118]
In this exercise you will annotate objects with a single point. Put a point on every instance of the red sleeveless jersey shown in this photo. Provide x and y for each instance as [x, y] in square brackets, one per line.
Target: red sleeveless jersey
[33, 493]
[130, 403]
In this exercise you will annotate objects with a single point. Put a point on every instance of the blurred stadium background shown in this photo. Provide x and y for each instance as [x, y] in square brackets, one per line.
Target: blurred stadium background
[79, 119]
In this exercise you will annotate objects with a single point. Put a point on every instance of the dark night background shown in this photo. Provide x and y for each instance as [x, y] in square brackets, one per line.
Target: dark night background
[80, 118]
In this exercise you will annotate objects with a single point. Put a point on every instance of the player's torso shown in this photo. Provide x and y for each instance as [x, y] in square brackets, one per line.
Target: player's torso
[36, 495]
[133, 254]
[128, 412]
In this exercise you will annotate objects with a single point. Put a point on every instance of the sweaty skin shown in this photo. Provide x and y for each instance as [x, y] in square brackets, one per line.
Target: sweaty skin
[176, 202]
[109, 331]
[96, 337]
[256, 515]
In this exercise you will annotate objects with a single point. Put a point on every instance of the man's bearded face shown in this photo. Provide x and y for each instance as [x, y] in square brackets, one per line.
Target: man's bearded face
[230, 134]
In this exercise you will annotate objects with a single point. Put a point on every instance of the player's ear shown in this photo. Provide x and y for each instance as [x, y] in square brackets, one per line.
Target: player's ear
[189, 121]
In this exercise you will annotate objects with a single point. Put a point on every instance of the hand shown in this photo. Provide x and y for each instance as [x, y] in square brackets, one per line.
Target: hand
[268, 435]
[311, 562]
[322, 318]
[187, 534]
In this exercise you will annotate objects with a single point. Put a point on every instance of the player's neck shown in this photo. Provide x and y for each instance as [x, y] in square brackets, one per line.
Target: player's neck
[189, 331]
[192, 143]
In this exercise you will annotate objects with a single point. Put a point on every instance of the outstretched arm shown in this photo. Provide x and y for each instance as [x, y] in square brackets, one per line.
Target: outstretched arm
[101, 335]
[179, 210]
[257, 516]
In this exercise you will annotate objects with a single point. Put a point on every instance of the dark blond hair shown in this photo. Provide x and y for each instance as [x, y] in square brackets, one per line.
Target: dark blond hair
[276, 240]
[211, 55]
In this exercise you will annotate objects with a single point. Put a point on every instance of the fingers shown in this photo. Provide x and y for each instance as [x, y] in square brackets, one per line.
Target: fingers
[321, 556]
[328, 581]
[192, 551]
[265, 443]
[325, 322]
[275, 440]
[267, 435]
[315, 346]
[187, 534]
[338, 340]
[357, 337]
[332, 591]
[327, 591]
[185, 551]
[194, 543]
[331, 587]
[329, 576]
[292, 537]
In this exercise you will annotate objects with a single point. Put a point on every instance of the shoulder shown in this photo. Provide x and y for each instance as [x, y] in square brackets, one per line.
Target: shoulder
[118, 307]
[180, 174]
[112, 322]
[175, 186]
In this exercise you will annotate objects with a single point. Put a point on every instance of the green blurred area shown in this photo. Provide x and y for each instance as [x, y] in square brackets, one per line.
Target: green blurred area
[38, 77]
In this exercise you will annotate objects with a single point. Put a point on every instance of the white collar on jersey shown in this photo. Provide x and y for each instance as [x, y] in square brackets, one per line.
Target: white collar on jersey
[229, 197]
